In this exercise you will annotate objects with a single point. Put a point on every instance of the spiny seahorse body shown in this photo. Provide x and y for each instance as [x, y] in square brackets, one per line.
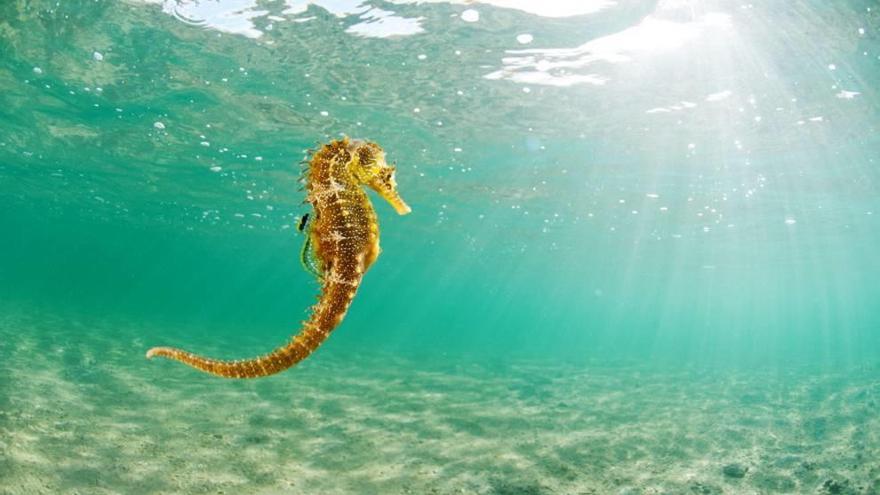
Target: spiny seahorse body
[344, 243]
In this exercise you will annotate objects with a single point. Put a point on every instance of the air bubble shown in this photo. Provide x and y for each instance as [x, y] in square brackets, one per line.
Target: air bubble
[470, 15]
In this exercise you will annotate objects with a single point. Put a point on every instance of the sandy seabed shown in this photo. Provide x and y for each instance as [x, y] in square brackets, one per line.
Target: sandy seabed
[82, 412]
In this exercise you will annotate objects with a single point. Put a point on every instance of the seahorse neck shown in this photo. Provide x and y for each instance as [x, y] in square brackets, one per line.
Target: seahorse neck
[330, 167]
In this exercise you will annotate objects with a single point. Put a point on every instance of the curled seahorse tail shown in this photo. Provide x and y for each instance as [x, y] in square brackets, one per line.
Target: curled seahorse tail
[328, 313]
[299, 348]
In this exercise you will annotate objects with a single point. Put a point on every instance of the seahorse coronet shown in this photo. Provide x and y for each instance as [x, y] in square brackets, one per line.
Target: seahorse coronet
[343, 233]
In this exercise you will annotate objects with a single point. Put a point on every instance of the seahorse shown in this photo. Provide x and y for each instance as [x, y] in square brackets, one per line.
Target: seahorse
[342, 243]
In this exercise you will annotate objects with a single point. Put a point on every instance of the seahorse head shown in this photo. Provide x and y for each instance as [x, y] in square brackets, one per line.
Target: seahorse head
[368, 165]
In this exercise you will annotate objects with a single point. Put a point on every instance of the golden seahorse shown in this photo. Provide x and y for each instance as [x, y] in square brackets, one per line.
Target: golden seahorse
[341, 245]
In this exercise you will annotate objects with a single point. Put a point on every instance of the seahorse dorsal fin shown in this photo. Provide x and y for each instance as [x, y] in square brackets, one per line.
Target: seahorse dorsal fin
[309, 259]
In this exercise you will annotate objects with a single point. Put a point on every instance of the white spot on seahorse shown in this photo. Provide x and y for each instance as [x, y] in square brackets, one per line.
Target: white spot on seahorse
[340, 316]
[335, 278]
[335, 187]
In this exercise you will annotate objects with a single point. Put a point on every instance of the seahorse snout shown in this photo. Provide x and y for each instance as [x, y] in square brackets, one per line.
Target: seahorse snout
[388, 191]
[396, 202]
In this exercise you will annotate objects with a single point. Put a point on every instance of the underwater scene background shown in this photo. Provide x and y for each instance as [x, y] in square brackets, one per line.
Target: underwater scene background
[641, 259]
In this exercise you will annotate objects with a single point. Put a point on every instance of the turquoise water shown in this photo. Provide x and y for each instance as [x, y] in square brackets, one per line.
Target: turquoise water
[641, 258]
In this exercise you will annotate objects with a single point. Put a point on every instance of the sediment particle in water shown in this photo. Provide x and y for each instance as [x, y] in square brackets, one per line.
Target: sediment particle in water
[833, 486]
[704, 488]
[735, 470]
